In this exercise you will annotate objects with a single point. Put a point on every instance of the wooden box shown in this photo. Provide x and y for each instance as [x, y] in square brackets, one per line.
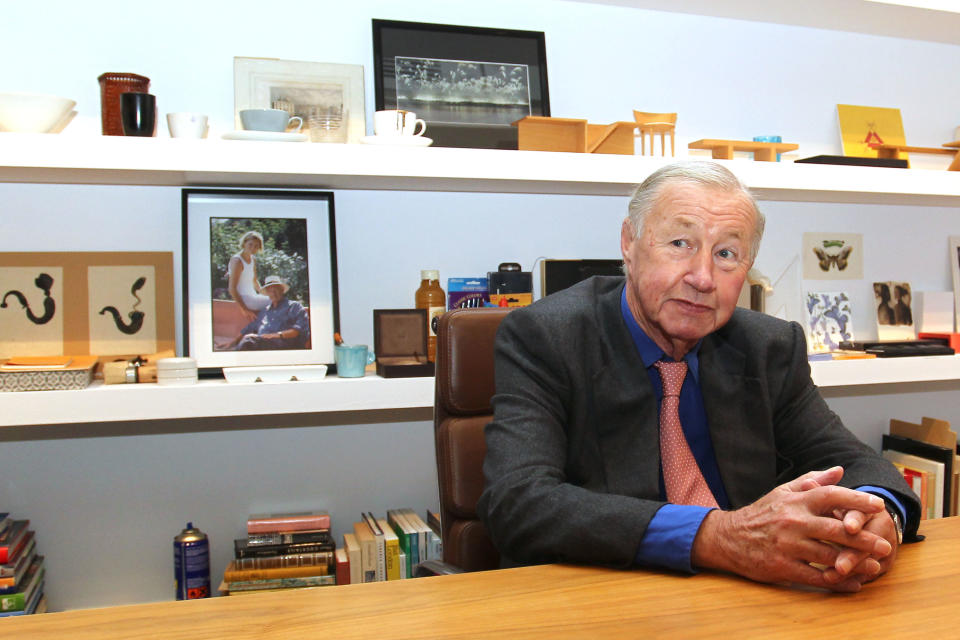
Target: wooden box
[540, 133]
[400, 343]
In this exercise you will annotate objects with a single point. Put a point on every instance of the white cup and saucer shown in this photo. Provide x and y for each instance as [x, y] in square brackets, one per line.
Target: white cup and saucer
[268, 125]
[398, 128]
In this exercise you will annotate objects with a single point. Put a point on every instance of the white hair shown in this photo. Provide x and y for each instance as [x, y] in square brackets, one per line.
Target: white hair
[702, 173]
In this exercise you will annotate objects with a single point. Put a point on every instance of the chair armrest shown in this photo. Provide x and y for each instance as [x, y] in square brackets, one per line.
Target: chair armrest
[435, 568]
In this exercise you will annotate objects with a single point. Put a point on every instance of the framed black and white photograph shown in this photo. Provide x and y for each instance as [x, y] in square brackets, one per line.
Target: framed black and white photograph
[328, 97]
[259, 277]
[468, 83]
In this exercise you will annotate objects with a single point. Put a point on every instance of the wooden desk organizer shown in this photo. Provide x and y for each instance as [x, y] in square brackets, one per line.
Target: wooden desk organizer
[539, 133]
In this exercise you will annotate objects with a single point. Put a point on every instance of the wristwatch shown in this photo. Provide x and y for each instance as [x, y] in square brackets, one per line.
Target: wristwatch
[895, 516]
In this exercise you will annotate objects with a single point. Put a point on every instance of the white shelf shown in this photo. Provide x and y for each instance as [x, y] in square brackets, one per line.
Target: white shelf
[117, 160]
[212, 398]
[845, 373]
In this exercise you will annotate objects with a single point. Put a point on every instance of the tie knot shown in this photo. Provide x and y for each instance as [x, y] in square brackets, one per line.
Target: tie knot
[672, 375]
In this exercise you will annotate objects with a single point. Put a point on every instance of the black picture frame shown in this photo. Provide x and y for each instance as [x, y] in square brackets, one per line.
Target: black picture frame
[430, 57]
[302, 251]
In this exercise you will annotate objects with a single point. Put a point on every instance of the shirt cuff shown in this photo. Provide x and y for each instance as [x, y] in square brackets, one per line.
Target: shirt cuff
[668, 540]
[889, 498]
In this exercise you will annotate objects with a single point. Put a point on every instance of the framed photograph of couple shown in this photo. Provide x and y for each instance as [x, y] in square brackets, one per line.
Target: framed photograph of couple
[468, 83]
[259, 277]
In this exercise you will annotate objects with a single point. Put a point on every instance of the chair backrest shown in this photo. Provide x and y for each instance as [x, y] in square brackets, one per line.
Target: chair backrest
[464, 387]
[645, 117]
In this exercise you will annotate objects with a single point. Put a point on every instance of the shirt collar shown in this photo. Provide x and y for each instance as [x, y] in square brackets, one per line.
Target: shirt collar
[647, 349]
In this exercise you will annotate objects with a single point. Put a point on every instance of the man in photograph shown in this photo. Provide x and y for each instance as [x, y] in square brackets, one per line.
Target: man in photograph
[282, 324]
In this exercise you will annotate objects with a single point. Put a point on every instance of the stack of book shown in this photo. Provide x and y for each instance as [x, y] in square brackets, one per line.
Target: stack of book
[282, 551]
[926, 455]
[388, 548]
[21, 569]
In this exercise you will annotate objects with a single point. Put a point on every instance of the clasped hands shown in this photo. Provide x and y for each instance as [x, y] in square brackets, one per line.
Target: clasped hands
[808, 531]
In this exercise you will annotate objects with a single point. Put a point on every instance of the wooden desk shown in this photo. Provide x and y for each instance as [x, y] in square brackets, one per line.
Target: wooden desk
[763, 151]
[918, 598]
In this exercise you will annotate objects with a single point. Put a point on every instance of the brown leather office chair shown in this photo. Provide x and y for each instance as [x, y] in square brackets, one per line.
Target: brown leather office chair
[464, 387]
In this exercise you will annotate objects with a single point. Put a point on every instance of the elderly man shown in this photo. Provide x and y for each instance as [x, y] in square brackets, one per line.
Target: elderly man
[646, 421]
[283, 324]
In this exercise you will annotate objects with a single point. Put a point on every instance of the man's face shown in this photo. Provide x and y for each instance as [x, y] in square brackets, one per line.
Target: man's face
[275, 292]
[686, 270]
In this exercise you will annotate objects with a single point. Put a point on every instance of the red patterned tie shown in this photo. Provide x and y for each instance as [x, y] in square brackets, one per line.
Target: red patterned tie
[681, 474]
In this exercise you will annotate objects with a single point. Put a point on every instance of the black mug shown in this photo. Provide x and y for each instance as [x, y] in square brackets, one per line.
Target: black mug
[138, 112]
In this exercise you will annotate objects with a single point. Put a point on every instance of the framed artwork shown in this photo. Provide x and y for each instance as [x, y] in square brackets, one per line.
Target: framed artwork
[954, 243]
[829, 320]
[468, 83]
[894, 310]
[102, 303]
[259, 277]
[832, 256]
[328, 97]
[862, 126]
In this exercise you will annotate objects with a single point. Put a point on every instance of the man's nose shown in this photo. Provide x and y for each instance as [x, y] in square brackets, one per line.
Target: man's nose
[700, 272]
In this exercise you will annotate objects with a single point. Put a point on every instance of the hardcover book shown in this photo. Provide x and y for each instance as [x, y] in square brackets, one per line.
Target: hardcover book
[234, 574]
[368, 551]
[285, 522]
[32, 580]
[352, 549]
[13, 540]
[243, 549]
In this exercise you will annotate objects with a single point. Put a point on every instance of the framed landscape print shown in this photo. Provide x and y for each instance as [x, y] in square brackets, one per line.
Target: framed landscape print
[468, 83]
[328, 97]
[259, 277]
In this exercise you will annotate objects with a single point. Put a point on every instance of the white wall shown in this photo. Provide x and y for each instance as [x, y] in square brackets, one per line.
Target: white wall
[106, 500]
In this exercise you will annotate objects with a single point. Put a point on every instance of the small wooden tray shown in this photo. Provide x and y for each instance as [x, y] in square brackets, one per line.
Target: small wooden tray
[762, 151]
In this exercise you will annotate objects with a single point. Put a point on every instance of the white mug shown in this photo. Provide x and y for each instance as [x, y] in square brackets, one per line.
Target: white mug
[397, 122]
[187, 125]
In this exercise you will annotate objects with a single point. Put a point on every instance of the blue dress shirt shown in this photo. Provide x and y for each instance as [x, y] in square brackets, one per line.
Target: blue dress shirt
[286, 315]
[669, 537]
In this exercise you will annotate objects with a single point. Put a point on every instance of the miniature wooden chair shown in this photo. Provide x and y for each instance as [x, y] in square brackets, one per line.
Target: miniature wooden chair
[655, 123]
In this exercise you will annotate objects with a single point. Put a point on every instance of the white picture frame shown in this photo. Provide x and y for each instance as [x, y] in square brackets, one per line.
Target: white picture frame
[954, 253]
[320, 93]
[313, 282]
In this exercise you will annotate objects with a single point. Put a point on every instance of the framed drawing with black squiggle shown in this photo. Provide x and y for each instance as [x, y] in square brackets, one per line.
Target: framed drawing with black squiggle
[103, 303]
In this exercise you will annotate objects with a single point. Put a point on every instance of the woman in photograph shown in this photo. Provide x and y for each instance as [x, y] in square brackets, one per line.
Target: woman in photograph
[885, 315]
[242, 279]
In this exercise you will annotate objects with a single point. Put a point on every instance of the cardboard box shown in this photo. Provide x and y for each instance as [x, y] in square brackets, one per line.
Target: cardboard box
[400, 343]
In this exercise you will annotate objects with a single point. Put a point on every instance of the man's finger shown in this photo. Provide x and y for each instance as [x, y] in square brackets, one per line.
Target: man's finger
[822, 478]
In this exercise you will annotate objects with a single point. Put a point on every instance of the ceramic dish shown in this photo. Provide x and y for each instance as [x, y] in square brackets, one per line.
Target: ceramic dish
[397, 141]
[306, 372]
[33, 112]
[267, 136]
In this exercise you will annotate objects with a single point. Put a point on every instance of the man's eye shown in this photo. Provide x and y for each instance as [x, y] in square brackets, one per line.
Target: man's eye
[727, 254]
[683, 244]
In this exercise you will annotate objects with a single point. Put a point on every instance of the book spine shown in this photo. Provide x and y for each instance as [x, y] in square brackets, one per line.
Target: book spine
[13, 540]
[343, 567]
[242, 550]
[380, 549]
[280, 583]
[408, 538]
[233, 574]
[18, 601]
[32, 605]
[321, 558]
[304, 522]
[368, 551]
[352, 547]
[391, 547]
[292, 537]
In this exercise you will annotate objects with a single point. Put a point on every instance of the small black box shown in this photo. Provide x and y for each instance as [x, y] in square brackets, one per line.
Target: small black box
[400, 343]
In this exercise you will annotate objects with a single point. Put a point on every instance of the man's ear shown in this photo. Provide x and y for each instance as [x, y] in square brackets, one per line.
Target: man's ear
[627, 237]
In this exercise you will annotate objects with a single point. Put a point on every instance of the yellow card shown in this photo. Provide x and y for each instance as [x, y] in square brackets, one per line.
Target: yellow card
[862, 126]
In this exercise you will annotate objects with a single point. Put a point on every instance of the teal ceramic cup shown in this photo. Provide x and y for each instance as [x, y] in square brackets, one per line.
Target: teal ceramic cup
[352, 359]
[769, 139]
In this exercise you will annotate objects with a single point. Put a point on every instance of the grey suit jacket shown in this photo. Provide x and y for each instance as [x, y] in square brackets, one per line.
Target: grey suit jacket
[572, 465]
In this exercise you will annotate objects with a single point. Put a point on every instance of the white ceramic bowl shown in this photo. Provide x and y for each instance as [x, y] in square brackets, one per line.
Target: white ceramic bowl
[32, 112]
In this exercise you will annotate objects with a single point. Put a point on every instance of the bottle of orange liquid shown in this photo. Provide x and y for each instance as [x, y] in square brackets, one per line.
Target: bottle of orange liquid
[430, 296]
